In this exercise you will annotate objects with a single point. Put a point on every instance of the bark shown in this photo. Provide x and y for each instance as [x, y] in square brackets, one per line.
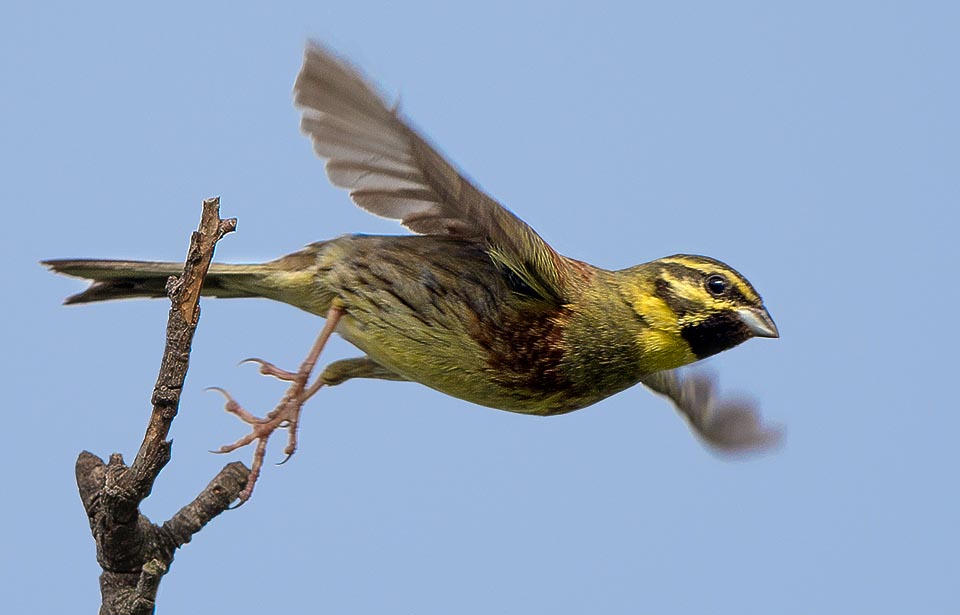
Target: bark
[133, 552]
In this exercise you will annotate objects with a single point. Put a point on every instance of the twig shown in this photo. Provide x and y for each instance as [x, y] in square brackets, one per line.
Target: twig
[133, 552]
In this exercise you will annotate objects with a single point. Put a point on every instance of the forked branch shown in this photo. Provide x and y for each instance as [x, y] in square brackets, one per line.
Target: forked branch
[134, 552]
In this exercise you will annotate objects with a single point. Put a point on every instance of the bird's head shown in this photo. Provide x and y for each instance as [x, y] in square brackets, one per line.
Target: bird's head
[694, 307]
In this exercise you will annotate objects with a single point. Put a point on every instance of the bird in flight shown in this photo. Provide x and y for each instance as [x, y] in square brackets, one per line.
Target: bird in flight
[476, 304]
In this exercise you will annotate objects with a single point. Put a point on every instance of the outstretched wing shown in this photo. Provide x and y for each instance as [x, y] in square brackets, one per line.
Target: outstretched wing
[729, 427]
[393, 172]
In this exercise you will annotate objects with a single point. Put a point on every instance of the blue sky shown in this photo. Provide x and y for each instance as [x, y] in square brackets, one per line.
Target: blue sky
[813, 146]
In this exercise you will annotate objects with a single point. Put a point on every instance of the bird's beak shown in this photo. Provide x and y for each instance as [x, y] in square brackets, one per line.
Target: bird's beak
[758, 321]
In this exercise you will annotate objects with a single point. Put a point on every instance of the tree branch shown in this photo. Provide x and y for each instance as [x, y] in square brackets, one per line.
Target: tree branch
[133, 552]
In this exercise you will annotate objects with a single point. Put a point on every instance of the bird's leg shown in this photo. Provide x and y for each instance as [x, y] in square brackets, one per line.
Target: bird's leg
[340, 371]
[287, 412]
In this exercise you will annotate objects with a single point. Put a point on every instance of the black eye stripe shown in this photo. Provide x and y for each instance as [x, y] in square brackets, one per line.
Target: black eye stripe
[698, 275]
[680, 305]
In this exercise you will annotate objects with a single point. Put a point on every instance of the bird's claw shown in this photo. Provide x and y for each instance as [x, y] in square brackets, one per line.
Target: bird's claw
[285, 415]
[233, 407]
[269, 369]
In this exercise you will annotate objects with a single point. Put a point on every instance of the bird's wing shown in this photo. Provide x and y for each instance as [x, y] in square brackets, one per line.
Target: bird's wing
[393, 172]
[730, 426]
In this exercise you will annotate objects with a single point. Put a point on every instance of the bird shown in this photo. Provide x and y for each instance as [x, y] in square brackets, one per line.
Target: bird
[474, 304]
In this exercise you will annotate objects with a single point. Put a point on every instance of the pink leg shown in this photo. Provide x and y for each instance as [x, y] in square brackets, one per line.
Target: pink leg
[287, 412]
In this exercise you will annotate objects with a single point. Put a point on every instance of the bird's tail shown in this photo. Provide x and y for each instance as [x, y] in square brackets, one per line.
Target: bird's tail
[291, 279]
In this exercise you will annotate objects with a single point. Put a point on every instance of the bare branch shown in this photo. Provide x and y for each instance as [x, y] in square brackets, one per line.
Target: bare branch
[133, 552]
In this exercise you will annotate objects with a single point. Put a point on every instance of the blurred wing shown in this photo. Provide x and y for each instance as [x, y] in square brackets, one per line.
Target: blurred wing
[728, 427]
[393, 172]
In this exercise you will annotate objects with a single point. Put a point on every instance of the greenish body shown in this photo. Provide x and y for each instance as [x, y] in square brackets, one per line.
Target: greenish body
[447, 313]
[439, 311]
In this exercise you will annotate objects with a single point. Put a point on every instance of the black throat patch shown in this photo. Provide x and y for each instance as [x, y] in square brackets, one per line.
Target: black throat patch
[717, 333]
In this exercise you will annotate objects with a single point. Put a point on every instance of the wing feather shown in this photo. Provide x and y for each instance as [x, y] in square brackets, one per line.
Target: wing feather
[730, 426]
[391, 171]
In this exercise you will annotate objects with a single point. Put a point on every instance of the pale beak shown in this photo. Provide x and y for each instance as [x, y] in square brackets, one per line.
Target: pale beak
[758, 321]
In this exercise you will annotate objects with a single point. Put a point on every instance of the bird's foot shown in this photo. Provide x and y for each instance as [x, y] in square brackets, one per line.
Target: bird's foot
[286, 414]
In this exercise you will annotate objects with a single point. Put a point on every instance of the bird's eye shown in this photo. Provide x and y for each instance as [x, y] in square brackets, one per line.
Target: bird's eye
[716, 285]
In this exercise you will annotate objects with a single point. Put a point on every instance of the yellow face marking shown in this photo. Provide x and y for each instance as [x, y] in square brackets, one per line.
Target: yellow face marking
[660, 339]
[708, 266]
[670, 297]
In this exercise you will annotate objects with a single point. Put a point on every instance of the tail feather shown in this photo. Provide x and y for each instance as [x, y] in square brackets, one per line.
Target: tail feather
[291, 279]
[114, 279]
[117, 279]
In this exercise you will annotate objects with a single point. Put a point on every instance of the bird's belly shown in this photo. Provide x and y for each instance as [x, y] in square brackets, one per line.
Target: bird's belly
[455, 365]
